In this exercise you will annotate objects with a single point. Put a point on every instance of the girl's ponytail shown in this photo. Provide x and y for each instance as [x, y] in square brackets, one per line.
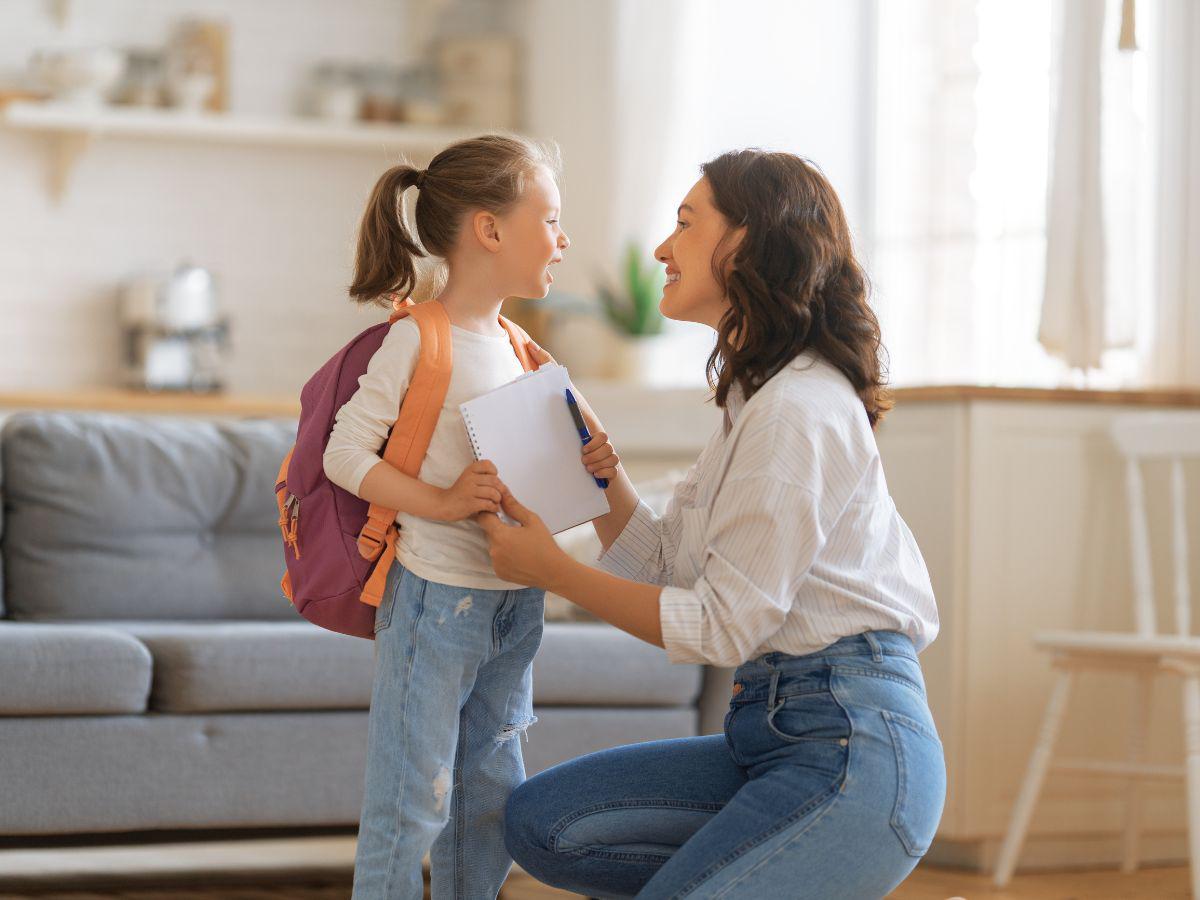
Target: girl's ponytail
[386, 258]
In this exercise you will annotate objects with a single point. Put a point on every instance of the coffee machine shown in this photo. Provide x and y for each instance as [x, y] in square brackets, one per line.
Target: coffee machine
[175, 338]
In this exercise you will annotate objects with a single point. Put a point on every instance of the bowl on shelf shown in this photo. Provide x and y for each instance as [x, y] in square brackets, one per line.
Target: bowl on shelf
[80, 75]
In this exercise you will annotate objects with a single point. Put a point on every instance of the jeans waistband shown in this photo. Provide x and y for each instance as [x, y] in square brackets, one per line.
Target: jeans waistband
[875, 644]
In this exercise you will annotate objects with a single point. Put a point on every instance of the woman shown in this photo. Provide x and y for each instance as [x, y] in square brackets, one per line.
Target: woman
[780, 553]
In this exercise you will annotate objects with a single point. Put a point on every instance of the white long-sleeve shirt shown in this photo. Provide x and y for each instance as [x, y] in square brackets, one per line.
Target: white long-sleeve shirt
[454, 553]
[782, 536]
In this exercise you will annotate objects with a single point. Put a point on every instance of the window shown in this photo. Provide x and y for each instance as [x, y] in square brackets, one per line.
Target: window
[964, 128]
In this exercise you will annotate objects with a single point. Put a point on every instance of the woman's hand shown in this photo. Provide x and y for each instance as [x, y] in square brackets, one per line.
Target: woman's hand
[528, 554]
[524, 554]
[476, 490]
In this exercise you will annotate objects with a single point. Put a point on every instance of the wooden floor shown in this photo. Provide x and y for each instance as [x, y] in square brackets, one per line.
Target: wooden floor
[320, 868]
[925, 884]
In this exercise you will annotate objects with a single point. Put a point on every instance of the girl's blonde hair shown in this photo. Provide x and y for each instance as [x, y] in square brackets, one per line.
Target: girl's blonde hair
[486, 172]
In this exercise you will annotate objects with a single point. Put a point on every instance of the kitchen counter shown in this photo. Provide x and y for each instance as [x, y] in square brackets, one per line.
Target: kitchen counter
[1183, 397]
[117, 400]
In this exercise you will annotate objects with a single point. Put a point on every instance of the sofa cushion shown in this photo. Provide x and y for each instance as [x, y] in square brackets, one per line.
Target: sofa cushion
[2, 508]
[584, 664]
[48, 670]
[110, 516]
[233, 666]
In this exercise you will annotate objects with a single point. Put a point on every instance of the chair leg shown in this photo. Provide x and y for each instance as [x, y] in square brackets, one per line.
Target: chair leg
[1139, 728]
[1191, 718]
[1035, 774]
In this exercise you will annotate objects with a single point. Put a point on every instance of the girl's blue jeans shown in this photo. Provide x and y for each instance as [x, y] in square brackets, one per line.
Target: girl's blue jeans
[828, 783]
[451, 697]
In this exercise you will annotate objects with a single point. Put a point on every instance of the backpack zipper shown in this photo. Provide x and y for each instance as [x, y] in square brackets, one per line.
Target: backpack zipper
[291, 522]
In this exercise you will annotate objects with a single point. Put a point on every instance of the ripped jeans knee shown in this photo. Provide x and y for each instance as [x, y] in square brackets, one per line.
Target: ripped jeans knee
[510, 731]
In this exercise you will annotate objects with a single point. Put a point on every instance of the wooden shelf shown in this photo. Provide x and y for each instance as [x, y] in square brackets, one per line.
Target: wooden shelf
[73, 128]
[116, 121]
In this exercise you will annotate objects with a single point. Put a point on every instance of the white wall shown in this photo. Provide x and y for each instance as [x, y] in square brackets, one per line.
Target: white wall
[640, 93]
[276, 226]
[568, 97]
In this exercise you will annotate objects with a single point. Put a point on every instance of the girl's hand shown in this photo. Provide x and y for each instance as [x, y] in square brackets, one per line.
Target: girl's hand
[599, 457]
[476, 490]
[539, 355]
[524, 554]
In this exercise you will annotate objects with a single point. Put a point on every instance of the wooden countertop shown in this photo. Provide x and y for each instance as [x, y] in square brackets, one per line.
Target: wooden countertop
[1184, 397]
[117, 400]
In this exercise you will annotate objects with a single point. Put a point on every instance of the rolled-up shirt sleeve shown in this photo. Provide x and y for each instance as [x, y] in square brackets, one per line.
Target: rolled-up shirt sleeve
[640, 551]
[761, 539]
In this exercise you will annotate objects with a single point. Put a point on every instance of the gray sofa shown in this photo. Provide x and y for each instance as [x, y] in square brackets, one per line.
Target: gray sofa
[153, 676]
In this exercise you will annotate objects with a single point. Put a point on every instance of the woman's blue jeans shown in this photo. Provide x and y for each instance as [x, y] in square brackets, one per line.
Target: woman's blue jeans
[828, 783]
[452, 696]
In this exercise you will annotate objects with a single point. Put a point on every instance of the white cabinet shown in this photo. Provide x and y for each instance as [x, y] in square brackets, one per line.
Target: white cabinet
[1018, 507]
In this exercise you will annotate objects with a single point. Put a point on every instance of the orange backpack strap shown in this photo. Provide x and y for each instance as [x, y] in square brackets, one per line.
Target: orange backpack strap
[520, 341]
[409, 441]
[410, 437]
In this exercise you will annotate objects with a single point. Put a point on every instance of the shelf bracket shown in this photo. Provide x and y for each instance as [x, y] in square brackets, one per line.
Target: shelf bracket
[65, 150]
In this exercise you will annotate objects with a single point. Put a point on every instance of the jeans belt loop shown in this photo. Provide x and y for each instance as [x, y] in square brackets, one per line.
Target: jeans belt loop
[876, 647]
[774, 687]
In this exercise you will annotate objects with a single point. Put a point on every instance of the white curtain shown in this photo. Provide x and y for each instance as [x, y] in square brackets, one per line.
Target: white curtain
[965, 203]
[1176, 351]
[960, 138]
[1073, 306]
[659, 58]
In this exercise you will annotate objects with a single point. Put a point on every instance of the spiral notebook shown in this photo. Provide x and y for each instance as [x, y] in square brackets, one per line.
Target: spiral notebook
[525, 428]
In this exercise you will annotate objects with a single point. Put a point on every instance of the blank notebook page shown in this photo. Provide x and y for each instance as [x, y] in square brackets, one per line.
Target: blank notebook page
[526, 429]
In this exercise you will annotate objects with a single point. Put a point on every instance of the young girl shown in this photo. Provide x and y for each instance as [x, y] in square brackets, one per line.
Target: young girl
[453, 642]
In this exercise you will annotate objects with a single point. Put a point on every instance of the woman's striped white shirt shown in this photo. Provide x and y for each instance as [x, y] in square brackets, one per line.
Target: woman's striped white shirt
[782, 536]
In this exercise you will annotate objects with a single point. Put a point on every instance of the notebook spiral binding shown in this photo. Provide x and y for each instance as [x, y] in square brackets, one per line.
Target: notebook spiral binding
[471, 436]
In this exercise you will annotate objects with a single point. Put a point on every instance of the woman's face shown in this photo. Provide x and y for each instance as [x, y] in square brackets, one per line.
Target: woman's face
[692, 293]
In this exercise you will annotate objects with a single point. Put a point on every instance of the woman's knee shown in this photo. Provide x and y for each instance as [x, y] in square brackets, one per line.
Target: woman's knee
[526, 834]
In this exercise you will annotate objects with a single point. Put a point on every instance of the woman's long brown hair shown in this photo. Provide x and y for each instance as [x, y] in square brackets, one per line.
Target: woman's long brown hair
[793, 282]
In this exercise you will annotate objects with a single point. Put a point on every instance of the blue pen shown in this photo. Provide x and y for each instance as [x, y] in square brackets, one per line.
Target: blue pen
[584, 434]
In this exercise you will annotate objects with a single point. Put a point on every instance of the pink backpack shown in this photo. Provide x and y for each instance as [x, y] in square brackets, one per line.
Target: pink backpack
[338, 548]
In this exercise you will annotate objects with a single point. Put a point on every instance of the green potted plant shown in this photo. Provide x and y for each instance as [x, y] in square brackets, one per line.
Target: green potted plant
[631, 309]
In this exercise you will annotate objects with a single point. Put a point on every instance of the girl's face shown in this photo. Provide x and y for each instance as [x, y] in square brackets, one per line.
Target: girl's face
[531, 238]
[692, 293]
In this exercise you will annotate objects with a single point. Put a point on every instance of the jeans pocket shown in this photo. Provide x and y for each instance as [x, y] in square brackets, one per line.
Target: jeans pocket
[815, 716]
[920, 782]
